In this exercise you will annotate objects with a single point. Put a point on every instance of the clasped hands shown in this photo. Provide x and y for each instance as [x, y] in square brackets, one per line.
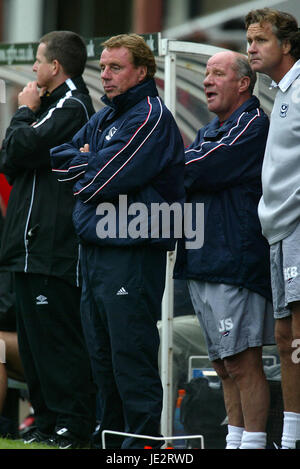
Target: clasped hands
[85, 148]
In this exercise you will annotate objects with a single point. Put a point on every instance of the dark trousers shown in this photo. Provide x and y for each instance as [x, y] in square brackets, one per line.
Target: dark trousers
[54, 355]
[120, 306]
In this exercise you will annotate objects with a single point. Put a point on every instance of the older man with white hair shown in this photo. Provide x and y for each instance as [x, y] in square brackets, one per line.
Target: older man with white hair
[228, 277]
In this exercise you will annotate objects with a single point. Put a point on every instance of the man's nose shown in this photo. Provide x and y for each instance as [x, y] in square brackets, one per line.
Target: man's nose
[251, 48]
[105, 73]
[207, 80]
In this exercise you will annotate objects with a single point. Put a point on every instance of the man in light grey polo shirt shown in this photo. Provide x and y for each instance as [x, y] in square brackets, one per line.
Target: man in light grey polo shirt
[274, 49]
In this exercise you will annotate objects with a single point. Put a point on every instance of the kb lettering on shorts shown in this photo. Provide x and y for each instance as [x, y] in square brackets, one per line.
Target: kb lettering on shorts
[290, 272]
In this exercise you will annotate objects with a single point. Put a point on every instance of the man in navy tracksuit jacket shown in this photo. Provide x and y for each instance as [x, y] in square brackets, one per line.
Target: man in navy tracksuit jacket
[129, 156]
[229, 276]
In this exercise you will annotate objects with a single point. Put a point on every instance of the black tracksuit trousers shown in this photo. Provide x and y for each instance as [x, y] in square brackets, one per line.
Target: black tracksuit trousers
[54, 355]
[121, 303]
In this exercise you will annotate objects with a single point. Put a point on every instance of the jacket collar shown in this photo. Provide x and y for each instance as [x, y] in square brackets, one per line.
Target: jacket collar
[71, 84]
[214, 130]
[132, 96]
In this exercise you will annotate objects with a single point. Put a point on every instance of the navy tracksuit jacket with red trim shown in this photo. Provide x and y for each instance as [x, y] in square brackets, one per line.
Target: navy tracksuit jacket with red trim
[135, 149]
[223, 171]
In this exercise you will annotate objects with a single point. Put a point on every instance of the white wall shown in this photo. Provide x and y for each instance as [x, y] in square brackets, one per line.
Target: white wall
[177, 12]
[23, 20]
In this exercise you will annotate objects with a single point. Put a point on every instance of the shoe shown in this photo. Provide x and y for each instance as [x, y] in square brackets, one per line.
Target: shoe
[34, 435]
[112, 442]
[27, 422]
[64, 439]
[96, 438]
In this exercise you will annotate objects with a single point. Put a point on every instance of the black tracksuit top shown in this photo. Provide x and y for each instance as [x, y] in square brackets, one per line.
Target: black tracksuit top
[39, 236]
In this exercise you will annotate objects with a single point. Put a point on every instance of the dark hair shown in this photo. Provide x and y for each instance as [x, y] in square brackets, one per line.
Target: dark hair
[68, 48]
[284, 26]
[140, 51]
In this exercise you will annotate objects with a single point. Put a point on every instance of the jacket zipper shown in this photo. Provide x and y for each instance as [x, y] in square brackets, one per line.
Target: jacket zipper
[27, 222]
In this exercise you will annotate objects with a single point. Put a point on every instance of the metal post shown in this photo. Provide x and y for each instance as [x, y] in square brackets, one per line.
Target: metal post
[167, 349]
[168, 299]
[24, 22]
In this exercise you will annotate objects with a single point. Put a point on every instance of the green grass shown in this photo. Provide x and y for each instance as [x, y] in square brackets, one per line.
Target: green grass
[18, 444]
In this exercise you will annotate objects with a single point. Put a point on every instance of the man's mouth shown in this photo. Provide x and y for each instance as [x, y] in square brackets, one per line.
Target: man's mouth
[210, 95]
[108, 87]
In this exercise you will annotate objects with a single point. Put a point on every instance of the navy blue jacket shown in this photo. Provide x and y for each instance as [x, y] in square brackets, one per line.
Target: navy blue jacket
[223, 171]
[135, 150]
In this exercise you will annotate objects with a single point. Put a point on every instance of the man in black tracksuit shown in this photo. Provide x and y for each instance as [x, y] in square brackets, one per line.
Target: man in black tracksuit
[40, 246]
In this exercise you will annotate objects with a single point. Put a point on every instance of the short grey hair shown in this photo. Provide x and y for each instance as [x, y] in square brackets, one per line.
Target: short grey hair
[243, 69]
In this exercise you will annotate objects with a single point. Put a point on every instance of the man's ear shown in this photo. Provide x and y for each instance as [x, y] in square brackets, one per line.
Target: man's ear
[286, 46]
[245, 83]
[55, 67]
[143, 73]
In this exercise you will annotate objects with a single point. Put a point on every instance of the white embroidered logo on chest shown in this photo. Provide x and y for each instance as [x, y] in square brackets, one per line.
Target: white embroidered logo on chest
[111, 133]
